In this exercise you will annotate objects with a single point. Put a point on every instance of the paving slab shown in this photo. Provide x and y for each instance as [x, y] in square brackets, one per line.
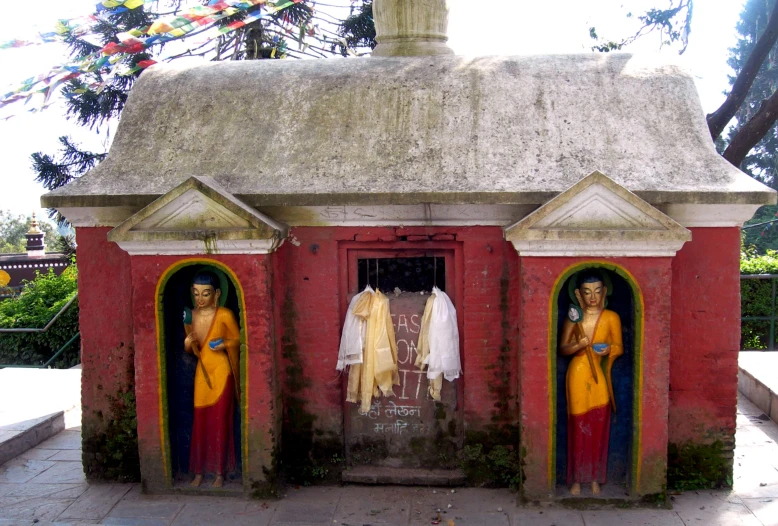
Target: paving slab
[147, 509]
[225, 511]
[713, 507]
[96, 502]
[298, 512]
[64, 440]
[26, 509]
[38, 454]
[65, 455]
[547, 517]
[465, 517]
[61, 473]
[21, 470]
[764, 509]
[52, 491]
[355, 510]
[631, 517]
[755, 476]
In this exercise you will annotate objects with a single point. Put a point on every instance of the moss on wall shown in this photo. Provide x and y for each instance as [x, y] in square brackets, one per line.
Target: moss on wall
[490, 455]
[110, 443]
[308, 455]
[698, 466]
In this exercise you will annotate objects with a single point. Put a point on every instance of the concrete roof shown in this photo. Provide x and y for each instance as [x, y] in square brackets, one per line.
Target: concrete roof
[437, 129]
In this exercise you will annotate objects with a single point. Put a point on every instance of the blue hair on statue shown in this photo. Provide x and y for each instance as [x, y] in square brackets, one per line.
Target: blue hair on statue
[207, 278]
[588, 276]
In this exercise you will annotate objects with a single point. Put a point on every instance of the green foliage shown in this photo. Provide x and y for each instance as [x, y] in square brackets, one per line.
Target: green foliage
[93, 102]
[756, 297]
[762, 161]
[358, 30]
[673, 25]
[38, 303]
[752, 262]
[69, 163]
[497, 467]
[697, 466]
[12, 231]
[759, 239]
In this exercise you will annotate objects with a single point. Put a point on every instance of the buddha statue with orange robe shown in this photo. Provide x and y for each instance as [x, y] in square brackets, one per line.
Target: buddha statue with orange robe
[214, 338]
[592, 334]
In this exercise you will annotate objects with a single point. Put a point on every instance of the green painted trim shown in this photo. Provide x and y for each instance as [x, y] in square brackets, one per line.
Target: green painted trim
[162, 362]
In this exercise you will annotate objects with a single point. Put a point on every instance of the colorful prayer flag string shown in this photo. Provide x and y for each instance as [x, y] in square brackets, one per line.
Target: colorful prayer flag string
[136, 41]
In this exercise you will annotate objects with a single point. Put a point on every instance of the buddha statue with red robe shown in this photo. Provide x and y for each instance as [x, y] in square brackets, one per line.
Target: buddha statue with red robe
[592, 334]
[214, 338]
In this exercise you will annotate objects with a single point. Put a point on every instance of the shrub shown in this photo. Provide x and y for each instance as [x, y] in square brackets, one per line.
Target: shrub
[697, 466]
[41, 299]
[756, 297]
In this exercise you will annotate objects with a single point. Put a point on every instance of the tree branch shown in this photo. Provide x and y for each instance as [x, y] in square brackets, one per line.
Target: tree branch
[718, 120]
[753, 131]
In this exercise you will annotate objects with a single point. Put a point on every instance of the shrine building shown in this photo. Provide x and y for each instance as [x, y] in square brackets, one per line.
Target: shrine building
[496, 179]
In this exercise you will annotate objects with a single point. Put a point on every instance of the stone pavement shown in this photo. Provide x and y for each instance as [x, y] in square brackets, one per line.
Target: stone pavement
[29, 414]
[46, 486]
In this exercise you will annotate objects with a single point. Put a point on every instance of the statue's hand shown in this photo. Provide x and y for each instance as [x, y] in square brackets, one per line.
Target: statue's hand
[583, 342]
[191, 342]
[217, 345]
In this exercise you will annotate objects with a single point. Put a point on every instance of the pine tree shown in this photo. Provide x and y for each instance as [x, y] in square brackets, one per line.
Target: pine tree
[762, 161]
[93, 99]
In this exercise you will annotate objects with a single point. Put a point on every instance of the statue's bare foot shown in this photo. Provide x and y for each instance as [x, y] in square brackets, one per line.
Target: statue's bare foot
[196, 481]
[595, 488]
[219, 482]
[575, 489]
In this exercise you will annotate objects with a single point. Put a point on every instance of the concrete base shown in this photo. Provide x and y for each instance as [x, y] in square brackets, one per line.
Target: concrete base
[757, 380]
[17, 438]
[404, 477]
[36, 404]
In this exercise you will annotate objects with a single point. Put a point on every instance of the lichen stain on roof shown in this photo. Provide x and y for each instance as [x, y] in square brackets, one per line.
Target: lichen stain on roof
[440, 129]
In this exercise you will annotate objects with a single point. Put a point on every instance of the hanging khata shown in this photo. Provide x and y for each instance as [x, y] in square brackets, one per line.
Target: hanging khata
[438, 346]
[354, 332]
[375, 372]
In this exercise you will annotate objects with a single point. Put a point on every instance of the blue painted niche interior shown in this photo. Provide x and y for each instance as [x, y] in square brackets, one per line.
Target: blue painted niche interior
[620, 446]
[181, 370]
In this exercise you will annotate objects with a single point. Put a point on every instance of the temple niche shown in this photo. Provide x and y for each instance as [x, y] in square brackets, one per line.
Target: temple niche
[197, 380]
[497, 180]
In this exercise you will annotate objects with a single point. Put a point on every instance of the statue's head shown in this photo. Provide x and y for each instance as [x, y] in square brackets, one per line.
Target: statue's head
[590, 289]
[206, 289]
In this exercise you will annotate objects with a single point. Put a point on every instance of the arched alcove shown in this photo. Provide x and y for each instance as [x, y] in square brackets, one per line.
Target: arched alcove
[178, 367]
[626, 301]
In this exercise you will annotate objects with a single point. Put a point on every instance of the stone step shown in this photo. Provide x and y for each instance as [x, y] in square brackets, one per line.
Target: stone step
[36, 404]
[404, 476]
[18, 437]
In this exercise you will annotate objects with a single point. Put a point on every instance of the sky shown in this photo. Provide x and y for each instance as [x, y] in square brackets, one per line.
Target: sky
[520, 28]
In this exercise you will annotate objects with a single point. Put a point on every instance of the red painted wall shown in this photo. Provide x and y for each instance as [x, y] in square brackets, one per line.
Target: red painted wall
[294, 308]
[705, 337]
[538, 277]
[107, 351]
[309, 286]
[255, 276]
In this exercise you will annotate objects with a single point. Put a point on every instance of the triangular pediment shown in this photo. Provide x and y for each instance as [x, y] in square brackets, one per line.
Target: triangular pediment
[597, 217]
[198, 213]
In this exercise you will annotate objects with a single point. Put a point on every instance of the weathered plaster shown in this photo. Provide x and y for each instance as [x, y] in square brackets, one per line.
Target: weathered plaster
[412, 130]
[597, 217]
[198, 216]
[407, 28]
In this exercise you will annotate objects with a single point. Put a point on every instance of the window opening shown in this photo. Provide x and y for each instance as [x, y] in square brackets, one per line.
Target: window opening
[413, 274]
